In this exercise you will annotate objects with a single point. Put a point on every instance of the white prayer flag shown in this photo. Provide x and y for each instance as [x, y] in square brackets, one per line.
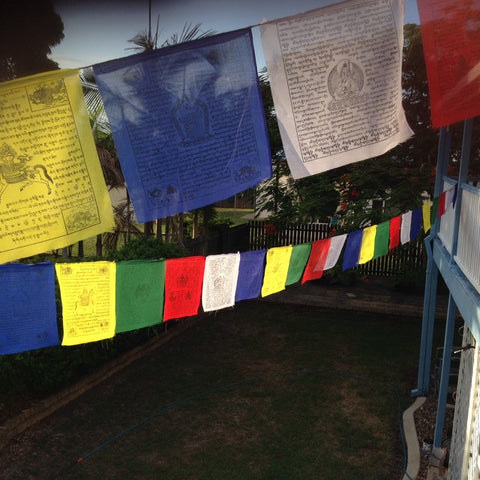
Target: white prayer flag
[220, 281]
[336, 246]
[406, 227]
[335, 75]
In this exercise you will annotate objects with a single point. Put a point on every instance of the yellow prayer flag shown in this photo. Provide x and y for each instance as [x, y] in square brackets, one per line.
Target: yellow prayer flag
[87, 292]
[368, 244]
[52, 189]
[276, 270]
[426, 213]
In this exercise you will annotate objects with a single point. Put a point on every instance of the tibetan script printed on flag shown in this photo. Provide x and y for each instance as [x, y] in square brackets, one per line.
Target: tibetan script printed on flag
[335, 75]
[87, 291]
[188, 123]
[451, 42]
[52, 189]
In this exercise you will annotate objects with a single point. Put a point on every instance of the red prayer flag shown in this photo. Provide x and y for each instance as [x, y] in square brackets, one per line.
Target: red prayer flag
[441, 204]
[395, 224]
[183, 286]
[451, 43]
[316, 260]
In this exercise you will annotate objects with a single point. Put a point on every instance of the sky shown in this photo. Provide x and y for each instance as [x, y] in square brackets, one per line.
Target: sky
[98, 30]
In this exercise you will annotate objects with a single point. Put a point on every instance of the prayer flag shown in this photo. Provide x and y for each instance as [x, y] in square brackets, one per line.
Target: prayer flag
[395, 223]
[52, 189]
[139, 294]
[352, 250]
[317, 260]
[367, 249]
[276, 270]
[87, 291]
[335, 75]
[441, 204]
[416, 223]
[188, 123]
[28, 318]
[183, 286]
[382, 238]
[451, 43]
[298, 260]
[250, 275]
[405, 227]
[427, 212]
[220, 281]
[336, 246]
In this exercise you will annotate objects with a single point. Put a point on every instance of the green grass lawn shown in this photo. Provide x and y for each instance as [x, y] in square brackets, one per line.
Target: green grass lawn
[260, 391]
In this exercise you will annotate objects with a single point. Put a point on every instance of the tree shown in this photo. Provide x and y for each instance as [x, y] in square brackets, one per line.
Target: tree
[29, 29]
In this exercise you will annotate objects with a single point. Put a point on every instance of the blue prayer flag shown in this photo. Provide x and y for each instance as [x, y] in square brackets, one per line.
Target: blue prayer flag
[250, 274]
[28, 318]
[416, 223]
[353, 246]
[188, 123]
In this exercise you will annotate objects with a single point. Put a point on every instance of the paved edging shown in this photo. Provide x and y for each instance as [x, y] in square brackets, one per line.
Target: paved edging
[411, 439]
[46, 407]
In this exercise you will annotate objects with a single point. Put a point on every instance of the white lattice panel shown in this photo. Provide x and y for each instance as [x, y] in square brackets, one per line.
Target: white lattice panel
[461, 445]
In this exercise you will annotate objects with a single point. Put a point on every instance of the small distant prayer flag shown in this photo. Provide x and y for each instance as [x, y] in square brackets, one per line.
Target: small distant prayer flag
[395, 223]
[220, 281]
[139, 296]
[352, 250]
[382, 238]
[426, 213]
[88, 301]
[405, 227]
[28, 318]
[298, 260]
[336, 246]
[250, 274]
[276, 270]
[317, 260]
[183, 286]
[367, 248]
[441, 204]
[416, 223]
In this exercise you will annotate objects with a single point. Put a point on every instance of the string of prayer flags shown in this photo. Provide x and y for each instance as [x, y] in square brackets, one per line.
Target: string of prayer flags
[29, 319]
[140, 294]
[335, 76]
[298, 261]
[336, 246]
[87, 291]
[382, 239]
[367, 248]
[451, 43]
[317, 260]
[351, 254]
[52, 189]
[188, 123]
[276, 270]
[250, 274]
[395, 224]
[220, 281]
[183, 286]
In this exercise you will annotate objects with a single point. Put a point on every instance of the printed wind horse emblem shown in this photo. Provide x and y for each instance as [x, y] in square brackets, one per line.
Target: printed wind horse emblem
[15, 169]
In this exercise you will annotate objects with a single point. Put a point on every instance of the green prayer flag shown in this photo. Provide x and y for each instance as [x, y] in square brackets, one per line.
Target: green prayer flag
[140, 294]
[382, 239]
[298, 260]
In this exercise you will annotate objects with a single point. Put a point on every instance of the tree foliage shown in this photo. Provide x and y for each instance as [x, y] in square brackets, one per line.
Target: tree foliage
[29, 28]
